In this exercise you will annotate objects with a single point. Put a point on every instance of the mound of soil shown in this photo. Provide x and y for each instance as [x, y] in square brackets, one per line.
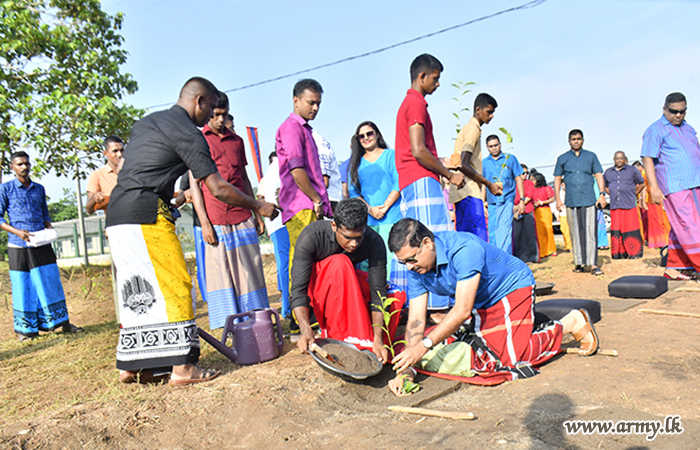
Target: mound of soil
[353, 361]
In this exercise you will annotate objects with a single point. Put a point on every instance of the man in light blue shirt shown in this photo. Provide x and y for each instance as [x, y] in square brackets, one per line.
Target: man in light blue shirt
[505, 169]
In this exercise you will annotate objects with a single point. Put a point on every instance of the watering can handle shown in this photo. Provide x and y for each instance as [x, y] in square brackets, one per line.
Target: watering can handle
[280, 336]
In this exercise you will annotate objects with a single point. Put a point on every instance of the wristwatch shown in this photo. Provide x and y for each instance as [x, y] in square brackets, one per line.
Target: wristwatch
[427, 343]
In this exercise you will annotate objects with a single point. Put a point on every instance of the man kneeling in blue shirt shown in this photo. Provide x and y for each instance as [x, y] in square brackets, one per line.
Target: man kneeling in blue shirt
[493, 295]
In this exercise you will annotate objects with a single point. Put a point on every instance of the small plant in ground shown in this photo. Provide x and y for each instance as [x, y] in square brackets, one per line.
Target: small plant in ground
[463, 90]
[408, 387]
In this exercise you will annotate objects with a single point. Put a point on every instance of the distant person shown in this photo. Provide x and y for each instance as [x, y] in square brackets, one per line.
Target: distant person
[563, 221]
[671, 157]
[344, 166]
[268, 189]
[230, 124]
[524, 228]
[493, 312]
[579, 168]
[329, 169]
[622, 183]
[374, 179]
[303, 195]
[347, 302]
[235, 280]
[102, 181]
[154, 284]
[38, 301]
[184, 195]
[469, 201]
[544, 195]
[417, 158]
[603, 242]
[654, 218]
[504, 169]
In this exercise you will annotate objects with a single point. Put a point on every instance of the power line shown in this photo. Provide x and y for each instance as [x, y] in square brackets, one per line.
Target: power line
[527, 5]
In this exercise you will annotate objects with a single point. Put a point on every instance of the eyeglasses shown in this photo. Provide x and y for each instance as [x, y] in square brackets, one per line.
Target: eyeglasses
[368, 135]
[413, 259]
[674, 112]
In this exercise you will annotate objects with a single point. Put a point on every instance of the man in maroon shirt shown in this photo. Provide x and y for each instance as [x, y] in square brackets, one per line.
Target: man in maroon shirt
[235, 281]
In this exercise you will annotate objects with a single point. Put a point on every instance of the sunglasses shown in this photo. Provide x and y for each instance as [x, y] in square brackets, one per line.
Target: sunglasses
[412, 259]
[676, 111]
[368, 135]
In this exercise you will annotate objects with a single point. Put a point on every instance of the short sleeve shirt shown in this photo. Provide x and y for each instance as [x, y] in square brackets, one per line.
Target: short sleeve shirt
[528, 192]
[542, 194]
[102, 180]
[162, 146]
[460, 256]
[296, 149]
[228, 152]
[468, 140]
[622, 185]
[344, 171]
[504, 168]
[676, 155]
[25, 207]
[413, 110]
[578, 172]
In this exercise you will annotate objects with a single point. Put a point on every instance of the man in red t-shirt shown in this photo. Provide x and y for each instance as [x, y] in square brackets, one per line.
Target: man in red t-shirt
[235, 281]
[524, 228]
[417, 160]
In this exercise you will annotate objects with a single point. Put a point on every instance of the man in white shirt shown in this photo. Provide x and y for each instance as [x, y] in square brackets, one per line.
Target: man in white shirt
[329, 168]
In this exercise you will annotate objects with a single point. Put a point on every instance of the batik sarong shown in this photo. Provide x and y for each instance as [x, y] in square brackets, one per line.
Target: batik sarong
[156, 297]
[505, 345]
[625, 236]
[235, 277]
[470, 216]
[525, 238]
[501, 226]
[602, 230]
[201, 267]
[545, 232]
[683, 210]
[38, 301]
[339, 295]
[423, 200]
[583, 228]
[657, 226]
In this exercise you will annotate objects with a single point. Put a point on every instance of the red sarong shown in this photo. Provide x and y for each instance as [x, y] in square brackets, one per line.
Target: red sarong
[626, 239]
[340, 298]
[506, 339]
[683, 210]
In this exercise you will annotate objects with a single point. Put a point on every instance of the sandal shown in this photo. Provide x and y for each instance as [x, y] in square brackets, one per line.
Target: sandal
[70, 328]
[681, 277]
[206, 375]
[586, 348]
[597, 272]
[145, 377]
[579, 269]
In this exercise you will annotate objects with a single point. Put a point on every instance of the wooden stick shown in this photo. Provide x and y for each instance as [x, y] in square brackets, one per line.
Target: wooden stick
[431, 412]
[315, 348]
[601, 351]
[670, 313]
[687, 289]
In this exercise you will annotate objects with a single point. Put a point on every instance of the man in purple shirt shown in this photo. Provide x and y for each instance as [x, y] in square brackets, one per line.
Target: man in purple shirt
[671, 157]
[303, 195]
[623, 182]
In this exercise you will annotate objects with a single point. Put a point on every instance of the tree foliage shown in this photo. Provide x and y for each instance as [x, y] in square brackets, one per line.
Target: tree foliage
[64, 209]
[61, 88]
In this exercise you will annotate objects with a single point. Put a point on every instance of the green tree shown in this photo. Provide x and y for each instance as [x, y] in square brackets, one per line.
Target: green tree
[61, 88]
[64, 209]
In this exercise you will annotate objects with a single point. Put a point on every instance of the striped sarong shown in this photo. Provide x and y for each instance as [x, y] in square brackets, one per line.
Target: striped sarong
[625, 236]
[38, 301]
[583, 228]
[156, 299]
[235, 277]
[501, 225]
[683, 210]
[424, 201]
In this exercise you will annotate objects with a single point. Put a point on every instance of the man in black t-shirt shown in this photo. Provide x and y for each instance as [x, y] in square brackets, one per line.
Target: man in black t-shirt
[155, 289]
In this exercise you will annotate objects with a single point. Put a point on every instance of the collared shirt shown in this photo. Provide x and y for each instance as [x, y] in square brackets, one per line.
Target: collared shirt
[102, 180]
[317, 242]
[460, 256]
[329, 167]
[528, 192]
[676, 155]
[622, 185]
[25, 207]
[228, 152]
[578, 174]
[162, 146]
[468, 140]
[377, 180]
[296, 149]
[504, 169]
[413, 110]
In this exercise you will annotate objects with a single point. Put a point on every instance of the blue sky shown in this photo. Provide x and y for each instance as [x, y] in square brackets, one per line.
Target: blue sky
[602, 66]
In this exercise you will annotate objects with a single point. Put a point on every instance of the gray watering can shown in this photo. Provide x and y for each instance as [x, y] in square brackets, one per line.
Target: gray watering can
[254, 340]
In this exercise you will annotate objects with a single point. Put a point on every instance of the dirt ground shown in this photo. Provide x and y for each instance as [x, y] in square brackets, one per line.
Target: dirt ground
[62, 391]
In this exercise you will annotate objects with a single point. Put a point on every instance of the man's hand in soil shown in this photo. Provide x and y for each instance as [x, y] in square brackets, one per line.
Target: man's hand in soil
[396, 384]
[380, 351]
[306, 339]
[410, 356]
